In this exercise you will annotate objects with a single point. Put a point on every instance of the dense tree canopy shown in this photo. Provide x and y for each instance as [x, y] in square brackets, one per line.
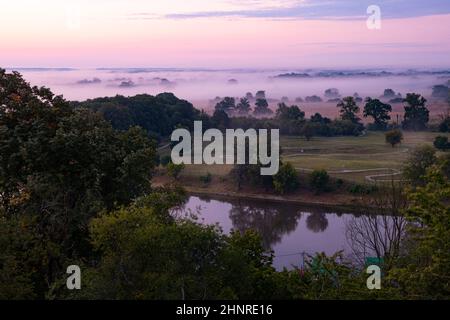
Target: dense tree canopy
[58, 167]
[159, 115]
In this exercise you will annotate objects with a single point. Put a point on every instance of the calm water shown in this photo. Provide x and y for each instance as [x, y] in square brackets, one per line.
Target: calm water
[290, 230]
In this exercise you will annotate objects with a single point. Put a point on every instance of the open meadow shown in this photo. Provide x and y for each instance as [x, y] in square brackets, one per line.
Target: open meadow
[366, 158]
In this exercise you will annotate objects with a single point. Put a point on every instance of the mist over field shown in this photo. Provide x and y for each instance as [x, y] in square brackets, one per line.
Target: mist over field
[200, 86]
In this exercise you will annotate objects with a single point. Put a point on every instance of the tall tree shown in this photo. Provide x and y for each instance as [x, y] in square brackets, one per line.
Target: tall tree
[417, 114]
[262, 108]
[227, 105]
[379, 111]
[243, 107]
[289, 113]
[349, 109]
[59, 167]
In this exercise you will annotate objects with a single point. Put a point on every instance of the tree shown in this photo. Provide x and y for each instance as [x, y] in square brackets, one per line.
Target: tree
[423, 271]
[286, 180]
[59, 167]
[394, 137]
[418, 162]
[174, 170]
[416, 113]
[309, 129]
[319, 180]
[348, 109]
[262, 108]
[289, 113]
[388, 94]
[260, 95]
[220, 120]
[243, 107]
[441, 143]
[444, 126]
[318, 118]
[158, 115]
[144, 255]
[227, 105]
[332, 93]
[379, 111]
[441, 92]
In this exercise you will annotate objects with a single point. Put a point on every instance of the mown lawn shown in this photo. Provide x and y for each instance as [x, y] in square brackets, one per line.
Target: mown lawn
[338, 155]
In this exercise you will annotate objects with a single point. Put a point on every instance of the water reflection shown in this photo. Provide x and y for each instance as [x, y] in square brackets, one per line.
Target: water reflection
[283, 230]
[317, 222]
[272, 220]
[269, 221]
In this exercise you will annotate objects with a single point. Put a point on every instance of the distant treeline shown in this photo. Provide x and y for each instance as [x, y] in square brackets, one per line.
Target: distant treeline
[159, 115]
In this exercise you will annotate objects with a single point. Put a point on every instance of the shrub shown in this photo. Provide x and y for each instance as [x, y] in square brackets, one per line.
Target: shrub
[441, 143]
[174, 170]
[394, 137]
[206, 179]
[286, 180]
[165, 160]
[362, 189]
[319, 180]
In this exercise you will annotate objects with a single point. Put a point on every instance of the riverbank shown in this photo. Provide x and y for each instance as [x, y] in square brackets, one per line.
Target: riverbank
[222, 188]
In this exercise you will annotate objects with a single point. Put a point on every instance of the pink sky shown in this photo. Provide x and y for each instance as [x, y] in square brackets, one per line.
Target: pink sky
[115, 33]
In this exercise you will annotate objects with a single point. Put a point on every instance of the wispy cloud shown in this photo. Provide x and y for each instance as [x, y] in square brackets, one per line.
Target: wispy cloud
[317, 9]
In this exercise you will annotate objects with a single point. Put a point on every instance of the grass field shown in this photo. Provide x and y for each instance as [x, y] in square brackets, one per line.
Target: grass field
[342, 156]
[351, 158]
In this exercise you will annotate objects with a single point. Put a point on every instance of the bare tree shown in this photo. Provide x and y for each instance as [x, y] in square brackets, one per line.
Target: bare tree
[380, 234]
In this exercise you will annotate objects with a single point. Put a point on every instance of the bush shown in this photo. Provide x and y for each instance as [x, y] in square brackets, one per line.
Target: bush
[206, 179]
[420, 159]
[174, 170]
[441, 143]
[394, 137]
[362, 189]
[165, 160]
[319, 180]
[286, 180]
[444, 126]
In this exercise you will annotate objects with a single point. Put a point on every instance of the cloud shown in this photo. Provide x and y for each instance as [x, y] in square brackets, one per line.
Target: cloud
[320, 9]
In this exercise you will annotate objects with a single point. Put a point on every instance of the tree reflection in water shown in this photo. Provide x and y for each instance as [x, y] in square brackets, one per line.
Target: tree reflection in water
[317, 222]
[271, 221]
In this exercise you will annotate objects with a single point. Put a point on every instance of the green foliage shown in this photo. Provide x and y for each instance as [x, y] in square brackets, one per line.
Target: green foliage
[394, 137]
[206, 179]
[174, 170]
[243, 107]
[379, 111]
[319, 180]
[286, 180]
[441, 143]
[251, 175]
[444, 126]
[262, 108]
[361, 189]
[349, 109]
[420, 159]
[309, 129]
[416, 113]
[284, 112]
[158, 115]
[165, 160]
[227, 104]
[424, 272]
[58, 168]
[143, 257]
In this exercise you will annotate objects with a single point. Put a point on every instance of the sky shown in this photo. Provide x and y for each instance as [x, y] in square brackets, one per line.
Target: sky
[225, 33]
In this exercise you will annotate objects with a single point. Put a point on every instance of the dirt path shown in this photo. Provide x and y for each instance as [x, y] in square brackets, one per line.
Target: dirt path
[370, 178]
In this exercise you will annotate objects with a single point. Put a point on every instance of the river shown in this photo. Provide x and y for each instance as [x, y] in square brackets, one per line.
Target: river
[294, 231]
